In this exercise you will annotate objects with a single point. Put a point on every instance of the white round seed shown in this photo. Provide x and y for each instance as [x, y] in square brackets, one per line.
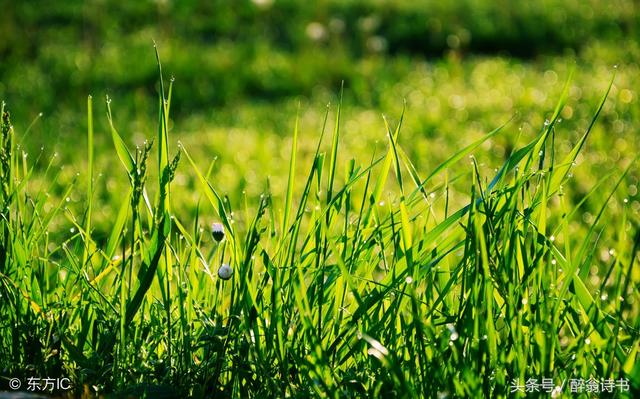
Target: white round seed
[225, 271]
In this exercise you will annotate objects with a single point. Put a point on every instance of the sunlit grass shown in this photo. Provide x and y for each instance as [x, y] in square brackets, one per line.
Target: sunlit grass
[366, 276]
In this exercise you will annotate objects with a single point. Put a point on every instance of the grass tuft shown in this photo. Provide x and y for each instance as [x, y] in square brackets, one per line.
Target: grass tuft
[361, 287]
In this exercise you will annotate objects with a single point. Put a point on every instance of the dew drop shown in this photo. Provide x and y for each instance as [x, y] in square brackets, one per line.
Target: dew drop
[453, 333]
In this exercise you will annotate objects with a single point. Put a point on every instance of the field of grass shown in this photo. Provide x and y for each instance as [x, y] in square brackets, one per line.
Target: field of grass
[423, 219]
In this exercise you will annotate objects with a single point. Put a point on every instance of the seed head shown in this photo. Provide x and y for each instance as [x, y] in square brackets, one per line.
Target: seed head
[217, 231]
[225, 271]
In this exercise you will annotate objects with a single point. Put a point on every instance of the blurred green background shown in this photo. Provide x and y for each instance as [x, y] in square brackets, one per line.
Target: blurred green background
[242, 67]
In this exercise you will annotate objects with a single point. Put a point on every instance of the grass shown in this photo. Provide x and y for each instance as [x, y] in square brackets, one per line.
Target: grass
[370, 278]
[53, 57]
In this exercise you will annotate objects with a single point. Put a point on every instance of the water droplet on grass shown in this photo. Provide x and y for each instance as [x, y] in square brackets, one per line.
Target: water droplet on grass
[453, 333]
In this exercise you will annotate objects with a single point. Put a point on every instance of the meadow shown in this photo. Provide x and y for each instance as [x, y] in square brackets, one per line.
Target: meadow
[288, 201]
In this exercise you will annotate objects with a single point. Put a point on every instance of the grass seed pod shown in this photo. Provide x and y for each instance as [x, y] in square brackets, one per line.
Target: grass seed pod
[217, 231]
[225, 271]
